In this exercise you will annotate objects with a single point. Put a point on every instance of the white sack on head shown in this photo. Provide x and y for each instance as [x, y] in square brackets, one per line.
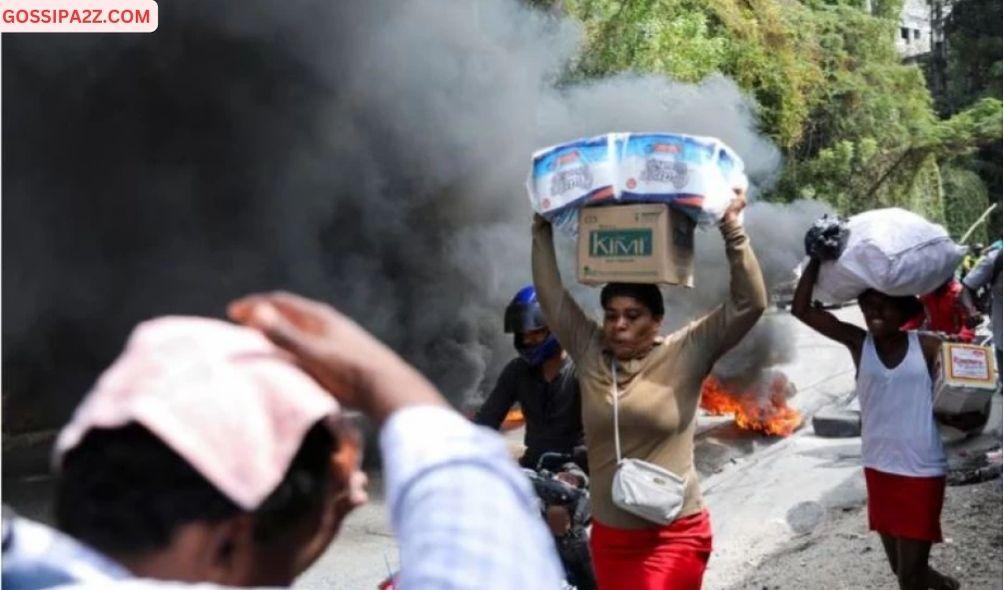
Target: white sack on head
[892, 251]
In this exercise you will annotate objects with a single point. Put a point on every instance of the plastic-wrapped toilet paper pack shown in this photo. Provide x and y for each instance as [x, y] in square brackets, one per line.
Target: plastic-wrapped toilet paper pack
[695, 175]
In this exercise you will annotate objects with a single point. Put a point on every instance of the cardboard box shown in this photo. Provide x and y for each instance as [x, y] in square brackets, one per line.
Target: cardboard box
[966, 379]
[644, 243]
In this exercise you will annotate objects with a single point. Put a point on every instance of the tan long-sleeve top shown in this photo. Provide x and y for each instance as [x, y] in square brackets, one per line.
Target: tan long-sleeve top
[659, 392]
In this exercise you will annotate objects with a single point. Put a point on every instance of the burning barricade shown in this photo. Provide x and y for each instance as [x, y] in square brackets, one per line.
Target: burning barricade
[747, 384]
[761, 406]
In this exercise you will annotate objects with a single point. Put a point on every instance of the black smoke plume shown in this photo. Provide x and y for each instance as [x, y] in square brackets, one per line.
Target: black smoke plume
[368, 153]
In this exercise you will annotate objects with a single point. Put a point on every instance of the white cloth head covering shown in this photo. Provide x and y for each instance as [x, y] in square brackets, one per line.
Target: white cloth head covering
[222, 396]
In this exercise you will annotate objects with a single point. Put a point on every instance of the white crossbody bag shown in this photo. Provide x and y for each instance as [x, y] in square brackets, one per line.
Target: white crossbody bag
[640, 487]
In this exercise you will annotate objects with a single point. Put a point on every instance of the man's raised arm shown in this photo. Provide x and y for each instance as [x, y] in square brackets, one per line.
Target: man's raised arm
[465, 516]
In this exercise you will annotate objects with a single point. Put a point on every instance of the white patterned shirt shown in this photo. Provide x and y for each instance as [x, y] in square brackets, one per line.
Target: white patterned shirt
[464, 513]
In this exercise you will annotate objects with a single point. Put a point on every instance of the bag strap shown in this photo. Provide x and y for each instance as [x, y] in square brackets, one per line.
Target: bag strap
[617, 426]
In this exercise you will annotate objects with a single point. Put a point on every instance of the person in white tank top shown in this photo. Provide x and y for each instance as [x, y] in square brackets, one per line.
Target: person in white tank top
[898, 431]
[901, 450]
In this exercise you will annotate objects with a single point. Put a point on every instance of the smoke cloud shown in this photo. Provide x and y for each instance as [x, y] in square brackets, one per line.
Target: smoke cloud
[776, 232]
[371, 154]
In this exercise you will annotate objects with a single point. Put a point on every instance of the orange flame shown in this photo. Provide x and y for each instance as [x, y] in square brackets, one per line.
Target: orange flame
[766, 412]
[513, 420]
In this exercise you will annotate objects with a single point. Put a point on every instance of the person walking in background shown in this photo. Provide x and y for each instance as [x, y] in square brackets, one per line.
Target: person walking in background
[656, 384]
[985, 278]
[945, 313]
[901, 448]
[973, 255]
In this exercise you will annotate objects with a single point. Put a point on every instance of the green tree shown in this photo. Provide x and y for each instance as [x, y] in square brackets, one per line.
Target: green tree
[965, 196]
[973, 32]
[858, 126]
[973, 72]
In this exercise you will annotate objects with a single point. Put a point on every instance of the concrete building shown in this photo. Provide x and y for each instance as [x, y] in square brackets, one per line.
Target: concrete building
[921, 28]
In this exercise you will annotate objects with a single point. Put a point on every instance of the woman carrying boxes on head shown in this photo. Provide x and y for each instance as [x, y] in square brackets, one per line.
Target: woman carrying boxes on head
[639, 401]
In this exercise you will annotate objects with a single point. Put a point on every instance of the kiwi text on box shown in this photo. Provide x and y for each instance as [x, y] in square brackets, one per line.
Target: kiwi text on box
[642, 243]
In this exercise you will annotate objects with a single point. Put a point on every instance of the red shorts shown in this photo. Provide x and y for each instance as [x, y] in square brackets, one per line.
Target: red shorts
[672, 557]
[905, 507]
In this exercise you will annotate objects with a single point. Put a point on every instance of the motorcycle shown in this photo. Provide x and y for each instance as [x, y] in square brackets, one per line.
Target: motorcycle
[562, 489]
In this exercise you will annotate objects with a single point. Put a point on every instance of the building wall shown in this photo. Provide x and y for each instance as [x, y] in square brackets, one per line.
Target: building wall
[914, 35]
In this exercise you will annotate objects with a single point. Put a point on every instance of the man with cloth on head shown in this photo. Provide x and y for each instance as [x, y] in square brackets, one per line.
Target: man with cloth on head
[213, 453]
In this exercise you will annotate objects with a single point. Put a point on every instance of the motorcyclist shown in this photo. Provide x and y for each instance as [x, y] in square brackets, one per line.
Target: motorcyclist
[542, 379]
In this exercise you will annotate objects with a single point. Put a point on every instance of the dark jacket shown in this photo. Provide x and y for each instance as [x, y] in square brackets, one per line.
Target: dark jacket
[552, 410]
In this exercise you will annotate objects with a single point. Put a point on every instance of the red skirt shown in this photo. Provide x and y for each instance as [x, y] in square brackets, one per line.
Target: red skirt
[905, 507]
[672, 557]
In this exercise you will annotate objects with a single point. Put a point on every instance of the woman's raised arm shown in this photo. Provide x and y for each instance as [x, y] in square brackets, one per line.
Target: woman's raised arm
[821, 320]
[564, 317]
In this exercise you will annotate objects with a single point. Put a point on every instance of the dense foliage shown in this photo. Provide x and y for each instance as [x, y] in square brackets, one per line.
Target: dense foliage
[972, 71]
[973, 60]
[859, 127]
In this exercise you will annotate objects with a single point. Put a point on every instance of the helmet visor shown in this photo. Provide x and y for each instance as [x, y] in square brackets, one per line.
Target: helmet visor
[523, 317]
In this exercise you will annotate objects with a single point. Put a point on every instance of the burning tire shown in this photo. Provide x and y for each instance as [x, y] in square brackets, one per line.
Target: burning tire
[761, 406]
